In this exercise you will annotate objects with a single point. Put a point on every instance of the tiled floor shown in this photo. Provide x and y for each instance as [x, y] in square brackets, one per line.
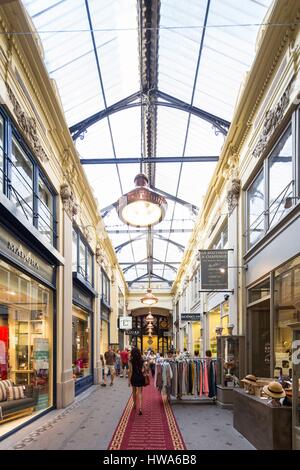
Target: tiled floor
[90, 421]
[208, 427]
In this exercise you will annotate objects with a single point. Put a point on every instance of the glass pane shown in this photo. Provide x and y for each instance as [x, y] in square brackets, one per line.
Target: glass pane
[81, 344]
[280, 177]
[259, 291]
[45, 211]
[256, 206]
[214, 319]
[74, 250]
[89, 273]
[26, 336]
[297, 378]
[259, 328]
[82, 257]
[1, 149]
[21, 181]
[287, 311]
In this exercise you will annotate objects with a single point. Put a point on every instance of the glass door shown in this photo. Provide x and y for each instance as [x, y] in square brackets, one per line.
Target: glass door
[259, 347]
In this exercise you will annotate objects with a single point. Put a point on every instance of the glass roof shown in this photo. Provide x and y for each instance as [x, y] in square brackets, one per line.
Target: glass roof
[92, 51]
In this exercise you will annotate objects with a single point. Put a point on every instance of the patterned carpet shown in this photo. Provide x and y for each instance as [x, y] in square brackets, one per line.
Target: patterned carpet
[156, 429]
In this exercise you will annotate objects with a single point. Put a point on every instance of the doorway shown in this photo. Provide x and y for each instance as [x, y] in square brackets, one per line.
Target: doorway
[259, 339]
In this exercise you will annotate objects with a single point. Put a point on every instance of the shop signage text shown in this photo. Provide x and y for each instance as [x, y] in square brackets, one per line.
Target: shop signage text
[82, 299]
[125, 323]
[18, 250]
[190, 317]
[134, 332]
[13, 248]
[214, 269]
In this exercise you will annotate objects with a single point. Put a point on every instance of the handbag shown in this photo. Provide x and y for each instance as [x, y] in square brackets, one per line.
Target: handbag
[147, 378]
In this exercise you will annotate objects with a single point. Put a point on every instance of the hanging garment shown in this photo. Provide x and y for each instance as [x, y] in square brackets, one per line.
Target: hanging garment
[205, 381]
[201, 379]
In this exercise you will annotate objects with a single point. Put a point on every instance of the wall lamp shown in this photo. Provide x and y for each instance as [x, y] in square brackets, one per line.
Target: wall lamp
[289, 201]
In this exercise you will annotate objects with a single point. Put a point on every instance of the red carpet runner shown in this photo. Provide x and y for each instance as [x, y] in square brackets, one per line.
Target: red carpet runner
[156, 429]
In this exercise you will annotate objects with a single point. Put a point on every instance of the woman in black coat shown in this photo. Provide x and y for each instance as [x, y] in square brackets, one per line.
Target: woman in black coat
[136, 377]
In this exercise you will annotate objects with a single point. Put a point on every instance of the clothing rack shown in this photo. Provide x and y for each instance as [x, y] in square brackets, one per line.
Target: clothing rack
[192, 378]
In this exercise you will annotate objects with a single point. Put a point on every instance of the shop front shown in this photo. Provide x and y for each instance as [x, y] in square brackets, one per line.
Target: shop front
[218, 320]
[273, 304]
[160, 339]
[27, 325]
[82, 338]
[197, 335]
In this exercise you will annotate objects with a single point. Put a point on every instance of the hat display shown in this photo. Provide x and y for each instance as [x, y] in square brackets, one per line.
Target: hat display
[274, 390]
[249, 379]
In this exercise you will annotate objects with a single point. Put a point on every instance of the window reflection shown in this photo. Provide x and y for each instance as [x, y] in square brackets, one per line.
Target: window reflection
[45, 218]
[287, 311]
[280, 177]
[22, 181]
[256, 205]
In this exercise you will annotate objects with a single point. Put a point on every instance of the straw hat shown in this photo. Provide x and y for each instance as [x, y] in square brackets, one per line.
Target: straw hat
[274, 390]
[249, 379]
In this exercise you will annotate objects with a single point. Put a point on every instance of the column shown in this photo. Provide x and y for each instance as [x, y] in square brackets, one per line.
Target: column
[97, 325]
[65, 381]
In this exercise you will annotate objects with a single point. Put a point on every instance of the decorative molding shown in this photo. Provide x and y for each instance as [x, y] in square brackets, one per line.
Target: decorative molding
[69, 201]
[28, 126]
[100, 254]
[68, 167]
[233, 194]
[272, 119]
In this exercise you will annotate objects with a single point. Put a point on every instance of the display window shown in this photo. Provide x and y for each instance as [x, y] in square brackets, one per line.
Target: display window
[197, 333]
[26, 343]
[214, 322]
[286, 311]
[81, 343]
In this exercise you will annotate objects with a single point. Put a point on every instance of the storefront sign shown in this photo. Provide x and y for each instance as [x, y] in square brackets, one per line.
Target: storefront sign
[125, 323]
[214, 269]
[82, 299]
[134, 332]
[13, 248]
[190, 317]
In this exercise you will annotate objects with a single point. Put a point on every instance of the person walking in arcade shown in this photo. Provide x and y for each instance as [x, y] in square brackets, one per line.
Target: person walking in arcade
[136, 377]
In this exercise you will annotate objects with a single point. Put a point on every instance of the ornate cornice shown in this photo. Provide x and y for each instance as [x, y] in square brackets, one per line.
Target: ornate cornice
[28, 127]
[69, 201]
[286, 39]
[272, 119]
[68, 167]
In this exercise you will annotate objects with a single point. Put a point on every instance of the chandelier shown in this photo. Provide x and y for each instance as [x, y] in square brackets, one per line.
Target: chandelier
[149, 319]
[141, 207]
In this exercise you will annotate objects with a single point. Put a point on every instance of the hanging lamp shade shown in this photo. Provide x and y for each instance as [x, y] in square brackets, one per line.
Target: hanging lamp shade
[141, 207]
[149, 298]
[149, 318]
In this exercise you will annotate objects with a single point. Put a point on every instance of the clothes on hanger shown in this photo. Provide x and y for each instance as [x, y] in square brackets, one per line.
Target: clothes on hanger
[183, 376]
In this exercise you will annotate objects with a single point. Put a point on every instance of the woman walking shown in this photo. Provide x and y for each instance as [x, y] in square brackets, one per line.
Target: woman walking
[136, 377]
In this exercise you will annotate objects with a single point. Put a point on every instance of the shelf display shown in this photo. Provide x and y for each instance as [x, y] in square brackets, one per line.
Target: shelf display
[26, 321]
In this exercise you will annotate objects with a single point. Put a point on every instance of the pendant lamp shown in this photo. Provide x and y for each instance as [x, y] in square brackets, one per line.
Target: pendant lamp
[141, 207]
[149, 298]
